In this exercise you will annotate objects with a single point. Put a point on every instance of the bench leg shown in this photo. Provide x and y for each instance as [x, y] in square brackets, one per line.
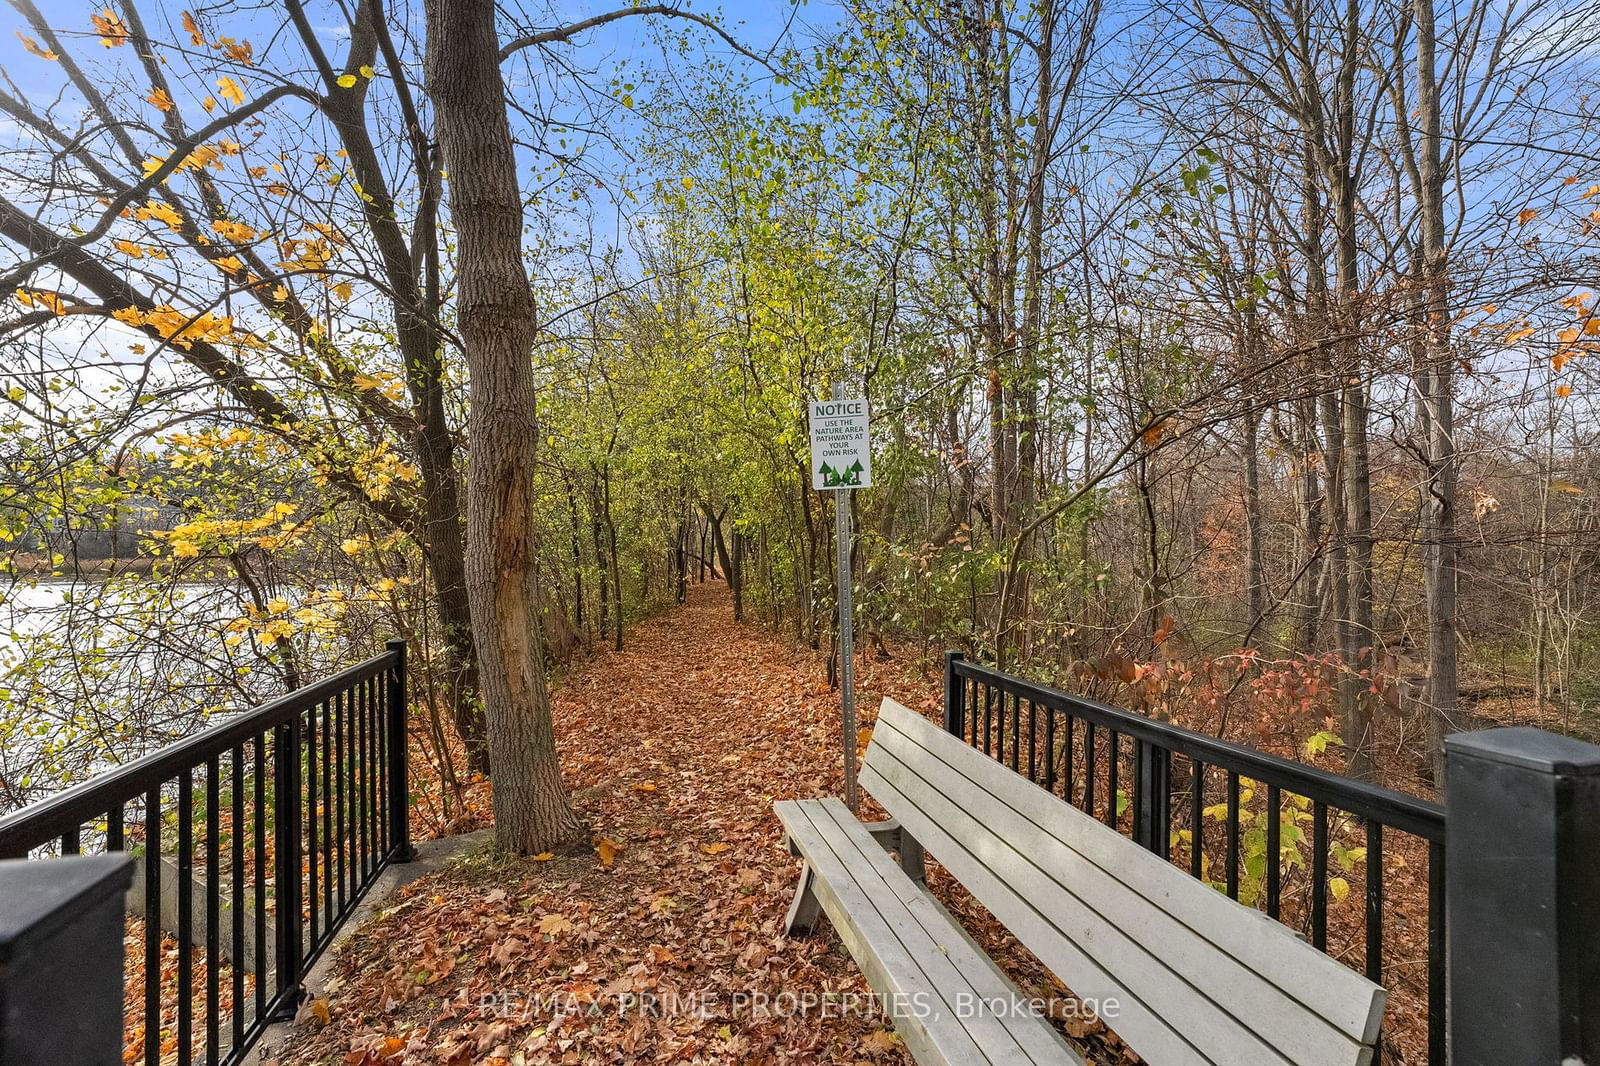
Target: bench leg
[806, 908]
[892, 836]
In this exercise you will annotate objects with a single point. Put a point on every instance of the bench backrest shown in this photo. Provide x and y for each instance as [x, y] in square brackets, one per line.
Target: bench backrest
[1197, 977]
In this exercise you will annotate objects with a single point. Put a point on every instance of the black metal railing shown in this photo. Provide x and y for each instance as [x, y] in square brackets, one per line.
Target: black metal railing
[1238, 818]
[257, 838]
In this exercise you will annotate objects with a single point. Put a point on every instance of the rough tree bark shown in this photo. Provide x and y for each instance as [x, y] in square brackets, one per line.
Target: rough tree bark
[496, 321]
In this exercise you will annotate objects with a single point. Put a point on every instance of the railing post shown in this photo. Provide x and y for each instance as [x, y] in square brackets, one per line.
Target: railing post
[955, 693]
[399, 791]
[286, 813]
[1152, 797]
[61, 958]
[1522, 872]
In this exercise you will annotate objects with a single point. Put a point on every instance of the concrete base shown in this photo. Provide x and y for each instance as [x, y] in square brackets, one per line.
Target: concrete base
[432, 856]
[171, 874]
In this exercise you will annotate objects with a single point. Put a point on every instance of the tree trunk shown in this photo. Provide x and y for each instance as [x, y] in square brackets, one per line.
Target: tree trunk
[1255, 572]
[1439, 380]
[495, 315]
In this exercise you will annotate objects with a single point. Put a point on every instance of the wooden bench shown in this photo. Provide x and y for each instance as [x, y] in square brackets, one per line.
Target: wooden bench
[1194, 976]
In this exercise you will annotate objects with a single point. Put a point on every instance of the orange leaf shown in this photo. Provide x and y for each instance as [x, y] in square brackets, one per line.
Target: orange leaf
[34, 48]
[715, 849]
[1563, 391]
[607, 850]
[1526, 215]
[112, 32]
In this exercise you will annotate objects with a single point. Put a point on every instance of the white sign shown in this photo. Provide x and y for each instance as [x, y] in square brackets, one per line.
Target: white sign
[841, 448]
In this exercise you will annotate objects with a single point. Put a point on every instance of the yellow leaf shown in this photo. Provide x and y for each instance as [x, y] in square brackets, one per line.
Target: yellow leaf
[368, 73]
[230, 91]
[128, 248]
[607, 850]
[209, 103]
[544, 856]
[645, 786]
[343, 291]
[33, 48]
[1339, 887]
[237, 232]
[555, 924]
[319, 1010]
[195, 36]
[160, 99]
[347, 81]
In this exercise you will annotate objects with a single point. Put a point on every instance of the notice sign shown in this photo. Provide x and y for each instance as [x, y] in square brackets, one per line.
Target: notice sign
[841, 449]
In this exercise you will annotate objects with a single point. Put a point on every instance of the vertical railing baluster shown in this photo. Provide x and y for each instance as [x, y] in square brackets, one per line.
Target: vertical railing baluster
[381, 732]
[72, 841]
[312, 838]
[1113, 770]
[989, 705]
[343, 775]
[1197, 817]
[1049, 748]
[1069, 762]
[152, 927]
[325, 715]
[371, 686]
[213, 904]
[287, 817]
[1088, 768]
[1319, 875]
[1437, 904]
[115, 831]
[1374, 865]
[236, 898]
[258, 751]
[1233, 834]
[1033, 742]
[1274, 852]
[185, 930]
[355, 791]
[1016, 732]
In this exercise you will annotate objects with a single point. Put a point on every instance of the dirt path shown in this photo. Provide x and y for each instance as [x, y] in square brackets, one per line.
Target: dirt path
[661, 940]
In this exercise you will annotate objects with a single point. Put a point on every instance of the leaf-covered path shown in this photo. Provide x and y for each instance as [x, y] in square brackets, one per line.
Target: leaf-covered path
[661, 940]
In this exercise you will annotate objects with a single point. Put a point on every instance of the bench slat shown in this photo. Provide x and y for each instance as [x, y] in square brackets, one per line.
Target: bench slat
[1200, 978]
[905, 956]
[1035, 1038]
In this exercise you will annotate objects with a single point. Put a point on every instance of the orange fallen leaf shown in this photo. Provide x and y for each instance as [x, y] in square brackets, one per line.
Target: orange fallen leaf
[715, 849]
[607, 850]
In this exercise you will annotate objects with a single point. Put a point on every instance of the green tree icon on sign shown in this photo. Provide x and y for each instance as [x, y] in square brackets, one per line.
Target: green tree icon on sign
[840, 479]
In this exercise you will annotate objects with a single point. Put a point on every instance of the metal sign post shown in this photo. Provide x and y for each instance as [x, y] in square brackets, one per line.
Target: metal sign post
[841, 460]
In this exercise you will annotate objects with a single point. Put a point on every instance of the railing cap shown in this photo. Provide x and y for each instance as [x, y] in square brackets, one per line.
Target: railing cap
[41, 897]
[1529, 748]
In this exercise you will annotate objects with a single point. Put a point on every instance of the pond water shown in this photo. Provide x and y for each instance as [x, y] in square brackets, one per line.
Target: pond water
[95, 673]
